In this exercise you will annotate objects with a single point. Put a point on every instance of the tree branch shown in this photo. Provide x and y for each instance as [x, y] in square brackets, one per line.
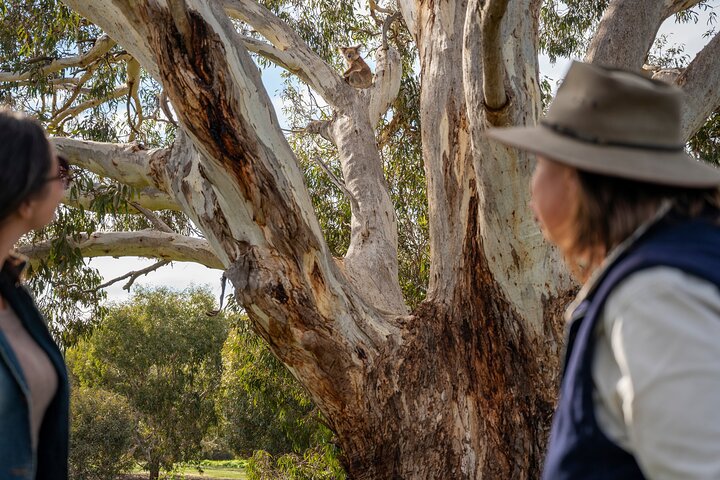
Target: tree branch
[130, 164]
[386, 84]
[279, 57]
[101, 47]
[676, 6]
[154, 219]
[149, 197]
[493, 59]
[701, 83]
[626, 33]
[145, 243]
[321, 76]
[338, 183]
[132, 275]
[73, 112]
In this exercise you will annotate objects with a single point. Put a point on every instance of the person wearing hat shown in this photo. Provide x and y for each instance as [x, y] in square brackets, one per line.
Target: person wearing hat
[637, 221]
[34, 389]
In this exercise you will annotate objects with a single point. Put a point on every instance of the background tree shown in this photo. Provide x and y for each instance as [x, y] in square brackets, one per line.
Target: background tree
[161, 352]
[261, 406]
[101, 436]
[460, 385]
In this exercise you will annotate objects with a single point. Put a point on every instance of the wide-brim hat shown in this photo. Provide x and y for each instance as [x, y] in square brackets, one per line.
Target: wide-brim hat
[616, 123]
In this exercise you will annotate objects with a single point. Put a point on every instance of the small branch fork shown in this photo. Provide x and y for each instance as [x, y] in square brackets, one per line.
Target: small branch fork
[131, 275]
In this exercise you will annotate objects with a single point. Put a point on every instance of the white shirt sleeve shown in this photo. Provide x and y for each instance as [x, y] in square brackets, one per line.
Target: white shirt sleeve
[661, 336]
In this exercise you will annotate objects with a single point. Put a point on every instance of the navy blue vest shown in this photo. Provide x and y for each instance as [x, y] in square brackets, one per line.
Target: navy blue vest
[578, 449]
[17, 461]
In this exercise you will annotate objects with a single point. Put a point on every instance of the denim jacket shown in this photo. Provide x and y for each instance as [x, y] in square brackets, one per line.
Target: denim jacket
[17, 459]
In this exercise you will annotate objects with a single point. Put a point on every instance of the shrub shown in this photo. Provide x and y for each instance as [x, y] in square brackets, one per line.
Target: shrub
[101, 434]
[318, 463]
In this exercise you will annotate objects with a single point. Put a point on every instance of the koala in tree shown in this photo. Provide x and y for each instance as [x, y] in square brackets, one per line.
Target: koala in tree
[358, 73]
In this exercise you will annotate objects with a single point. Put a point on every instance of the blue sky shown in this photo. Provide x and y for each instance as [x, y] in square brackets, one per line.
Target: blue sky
[180, 275]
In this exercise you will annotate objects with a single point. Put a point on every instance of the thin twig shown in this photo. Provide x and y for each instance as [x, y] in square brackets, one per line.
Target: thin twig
[165, 106]
[132, 275]
[386, 26]
[157, 222]
[336, 181]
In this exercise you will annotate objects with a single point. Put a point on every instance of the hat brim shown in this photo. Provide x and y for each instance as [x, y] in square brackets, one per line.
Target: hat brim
[674, 168]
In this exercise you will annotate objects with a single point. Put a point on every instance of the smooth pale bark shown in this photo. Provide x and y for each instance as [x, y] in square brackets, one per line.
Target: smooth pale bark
[493, 58]
[145, 243]
[701, 83]
[626, 33]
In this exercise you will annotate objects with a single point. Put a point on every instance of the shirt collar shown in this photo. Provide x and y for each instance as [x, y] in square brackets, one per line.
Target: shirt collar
[594, 280]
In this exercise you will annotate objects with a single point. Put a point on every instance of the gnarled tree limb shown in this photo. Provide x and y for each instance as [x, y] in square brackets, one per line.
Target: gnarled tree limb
[145, 243]
[281, 58]
[132, 276]
[77, 109]
[130, 164]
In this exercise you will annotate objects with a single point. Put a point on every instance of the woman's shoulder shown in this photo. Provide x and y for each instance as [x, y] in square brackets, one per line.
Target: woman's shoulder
[660, 281]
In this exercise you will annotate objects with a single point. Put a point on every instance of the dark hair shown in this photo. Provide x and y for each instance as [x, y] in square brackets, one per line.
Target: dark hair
[611, 209]
[25, 160]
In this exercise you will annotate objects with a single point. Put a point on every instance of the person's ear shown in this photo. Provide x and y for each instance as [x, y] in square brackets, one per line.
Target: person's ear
[26, 209]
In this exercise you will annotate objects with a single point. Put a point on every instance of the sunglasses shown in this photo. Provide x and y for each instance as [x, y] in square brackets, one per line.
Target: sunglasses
[65, 174]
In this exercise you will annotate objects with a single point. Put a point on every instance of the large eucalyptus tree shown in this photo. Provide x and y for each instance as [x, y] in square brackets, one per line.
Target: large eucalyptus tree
[462, 385]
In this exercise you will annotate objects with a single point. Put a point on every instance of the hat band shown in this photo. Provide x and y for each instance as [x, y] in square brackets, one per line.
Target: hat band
[569, 132]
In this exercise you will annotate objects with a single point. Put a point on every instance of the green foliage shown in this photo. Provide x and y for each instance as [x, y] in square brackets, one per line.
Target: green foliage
[262, 406]
[566, 26]
[705, 144]
[320, 463]
[101, 436]
[162, 353]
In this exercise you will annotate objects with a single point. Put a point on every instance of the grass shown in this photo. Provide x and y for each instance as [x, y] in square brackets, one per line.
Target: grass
[231, 470]
[216, 472]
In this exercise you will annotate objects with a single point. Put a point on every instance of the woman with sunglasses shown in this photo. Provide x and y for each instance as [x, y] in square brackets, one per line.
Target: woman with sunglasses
[34, 392]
